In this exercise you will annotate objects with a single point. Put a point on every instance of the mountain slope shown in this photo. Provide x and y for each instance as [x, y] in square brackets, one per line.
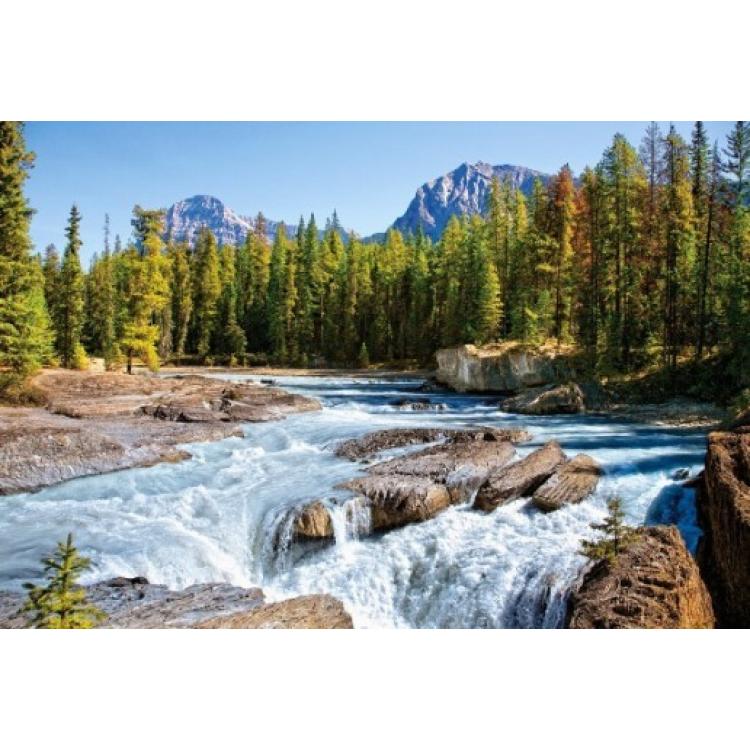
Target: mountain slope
[462, 191]
[185, 218]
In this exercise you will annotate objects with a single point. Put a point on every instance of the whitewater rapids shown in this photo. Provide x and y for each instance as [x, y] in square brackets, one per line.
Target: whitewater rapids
[224, 514]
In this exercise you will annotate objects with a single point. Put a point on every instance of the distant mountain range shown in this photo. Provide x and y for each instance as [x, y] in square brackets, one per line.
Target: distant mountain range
[463, 191]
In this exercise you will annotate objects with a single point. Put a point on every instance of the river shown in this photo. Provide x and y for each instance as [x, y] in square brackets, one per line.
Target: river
[219, 516]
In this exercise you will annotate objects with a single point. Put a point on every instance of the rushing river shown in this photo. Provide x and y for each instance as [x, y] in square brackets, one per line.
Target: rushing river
[219, 516]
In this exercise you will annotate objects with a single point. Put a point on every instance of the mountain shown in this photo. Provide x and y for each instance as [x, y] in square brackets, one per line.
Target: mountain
[462, 191]
[185, 218]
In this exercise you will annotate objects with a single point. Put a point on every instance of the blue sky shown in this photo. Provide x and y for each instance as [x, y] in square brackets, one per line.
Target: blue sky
[367, 171]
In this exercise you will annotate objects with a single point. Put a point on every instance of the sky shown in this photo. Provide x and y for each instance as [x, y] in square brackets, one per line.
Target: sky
[367, 171]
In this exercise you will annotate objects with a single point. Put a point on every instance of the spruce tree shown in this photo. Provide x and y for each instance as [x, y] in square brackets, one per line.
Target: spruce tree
[70, 314]
[61, 604]
[617, 535]
[25, 338]
[206, 292]
[182, 298]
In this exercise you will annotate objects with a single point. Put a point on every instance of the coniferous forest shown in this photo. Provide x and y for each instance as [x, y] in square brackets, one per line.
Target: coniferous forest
[641, 260]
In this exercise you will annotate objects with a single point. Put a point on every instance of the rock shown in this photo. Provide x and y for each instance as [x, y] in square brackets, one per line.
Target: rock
[375, 442]
[724, 513]
[313, 521]
[268, 381]
[461, 465]
[559, 399]
[654, 583]
[395, 500]
[519, 479]
[411, 488]
[135, 603]
[101, 422]
[499, 368]
[417, 404]
[680, 474]
[571, 483]
[314, 612]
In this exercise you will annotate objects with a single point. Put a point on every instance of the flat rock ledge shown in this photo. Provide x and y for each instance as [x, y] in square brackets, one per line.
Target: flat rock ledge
[135, 603]
[654, 583]
[376, 442]
[100, 422]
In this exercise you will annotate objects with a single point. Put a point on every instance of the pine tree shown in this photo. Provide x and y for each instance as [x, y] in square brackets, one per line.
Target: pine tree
[617, 535]
[277, 311]
[206, 292]
[61, 604]
[70, 314]
[260, 269]
[145, 290]
[182, 298]
[680, 245]
[25, 338]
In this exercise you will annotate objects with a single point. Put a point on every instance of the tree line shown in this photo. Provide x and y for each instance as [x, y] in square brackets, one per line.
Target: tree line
[642, 259]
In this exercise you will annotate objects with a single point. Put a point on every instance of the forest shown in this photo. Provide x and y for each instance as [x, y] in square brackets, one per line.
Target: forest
[642, 260]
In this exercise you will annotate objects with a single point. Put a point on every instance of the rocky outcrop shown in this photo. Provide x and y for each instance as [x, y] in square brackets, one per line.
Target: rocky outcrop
[135, 603]
[381, 440]
[498, 368]
[559, 399]
[519, 479]
[313, 612]
[101, 422]
[724, 513]
[412, 488]
[654, 583]
[571, 483]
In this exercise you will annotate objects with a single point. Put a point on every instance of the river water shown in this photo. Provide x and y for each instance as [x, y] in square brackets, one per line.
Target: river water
[220, 515]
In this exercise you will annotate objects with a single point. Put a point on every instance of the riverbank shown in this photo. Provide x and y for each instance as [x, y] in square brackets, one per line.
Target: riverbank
[95, 423]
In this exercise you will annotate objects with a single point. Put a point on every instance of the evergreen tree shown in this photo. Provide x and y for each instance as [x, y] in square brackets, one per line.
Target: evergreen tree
[70, 314]
[617, 535]
[277, 309]
[182, 298]
[25, 338]
[206, 292]
[61, 604]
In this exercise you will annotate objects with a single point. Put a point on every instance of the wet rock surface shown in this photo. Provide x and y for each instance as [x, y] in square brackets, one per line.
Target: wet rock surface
[571, 483]
[654, 583]
[135, 603]
[101, 422]
[375, 442]
[519, 479]
[412, 488]
[559, 399]
[723, 503]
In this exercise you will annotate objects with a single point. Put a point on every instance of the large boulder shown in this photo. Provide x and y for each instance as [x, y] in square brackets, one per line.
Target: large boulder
[557, 399]
[394, 500]
[400, 437]
[498, 368]
[724, 513]
[519, 479]
[571, 483]
[654, 583]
